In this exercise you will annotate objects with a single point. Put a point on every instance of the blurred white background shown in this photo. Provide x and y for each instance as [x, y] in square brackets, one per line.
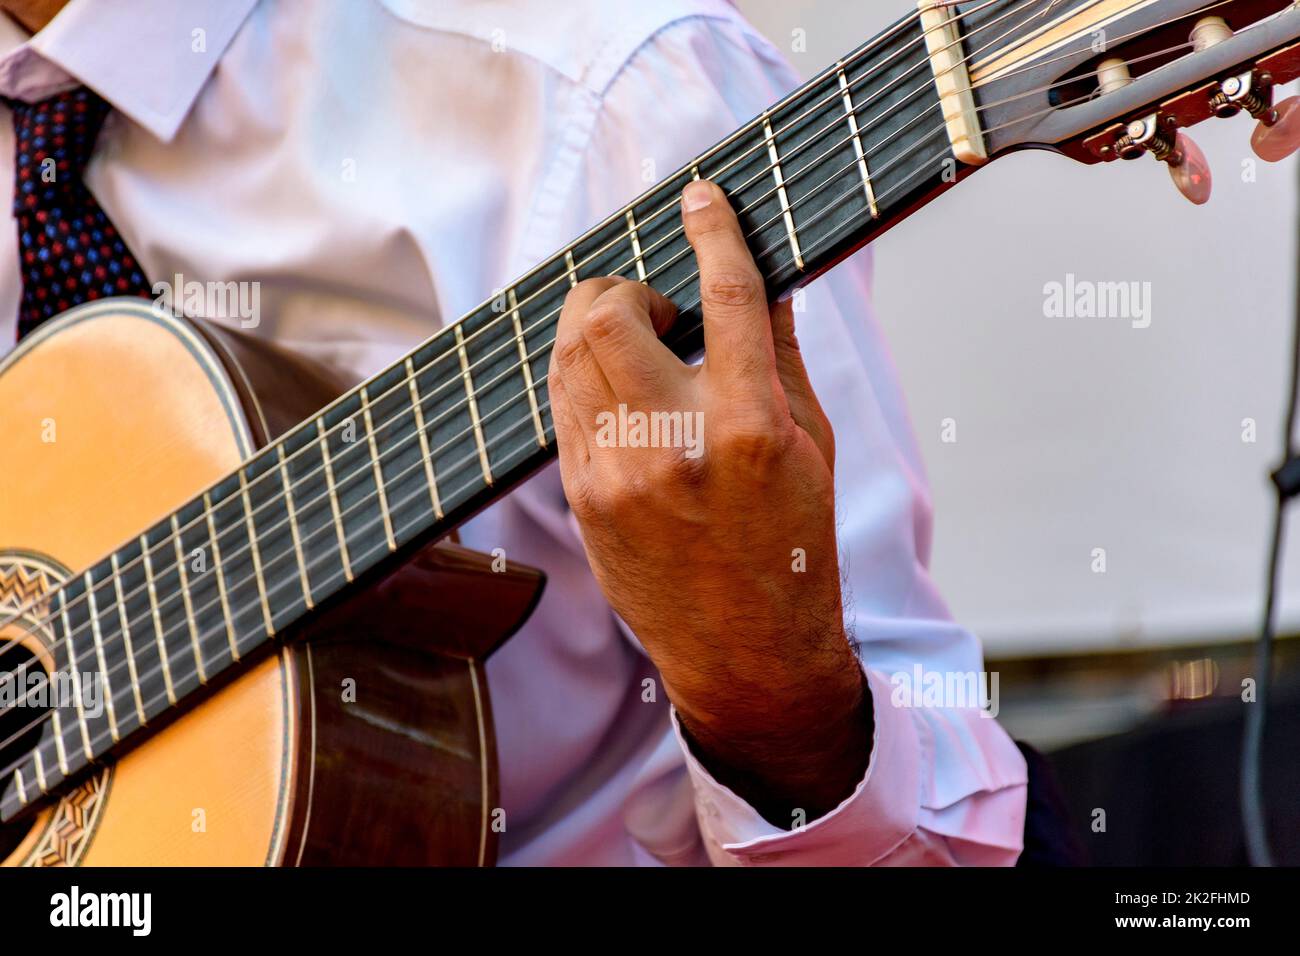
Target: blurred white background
[1078, 434]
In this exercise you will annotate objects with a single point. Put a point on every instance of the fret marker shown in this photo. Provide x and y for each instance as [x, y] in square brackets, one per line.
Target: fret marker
[473, 403]
[157, 621]
[99, 655]
[527, 366]
[572, 269]
[379, 472]
[943, 41]
[221, 577]
[185, 598]
[256, 552]
[293, 528]
[780, 191]
[416, 403]
[857, 140]
[334, 499]
[636, 246]
[71, 646]
[126, 640]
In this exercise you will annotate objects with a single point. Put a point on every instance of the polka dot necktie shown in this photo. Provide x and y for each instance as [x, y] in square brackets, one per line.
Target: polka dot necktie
[69, 253]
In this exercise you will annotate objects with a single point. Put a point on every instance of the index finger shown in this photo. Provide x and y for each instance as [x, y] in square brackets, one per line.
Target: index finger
[737, 325]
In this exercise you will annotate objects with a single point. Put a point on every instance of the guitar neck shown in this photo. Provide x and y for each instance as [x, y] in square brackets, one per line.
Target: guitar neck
[423, 445]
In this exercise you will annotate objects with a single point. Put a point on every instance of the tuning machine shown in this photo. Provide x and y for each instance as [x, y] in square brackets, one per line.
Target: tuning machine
[1187, 165]
[1277, 135]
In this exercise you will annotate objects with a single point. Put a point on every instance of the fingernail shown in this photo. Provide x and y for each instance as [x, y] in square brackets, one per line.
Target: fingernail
[696, 196]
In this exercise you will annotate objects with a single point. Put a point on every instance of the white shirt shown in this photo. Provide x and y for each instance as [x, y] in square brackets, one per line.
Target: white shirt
[380, 167]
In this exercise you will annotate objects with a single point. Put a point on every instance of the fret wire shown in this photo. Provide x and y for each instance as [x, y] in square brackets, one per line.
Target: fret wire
[256, 553]
[780, 191]
[157, 621]
[379, 476]
[126, 639]
[334, 498]
[293, 527]
[527, 368]
[636, 246]
[22, 789]
[59, 750]
[572, 269]
[99, 654]
[40, 769]
[221, 577]
[424, 439]
[185, 598]
[473, 405]
[70, 647]
[852, 116]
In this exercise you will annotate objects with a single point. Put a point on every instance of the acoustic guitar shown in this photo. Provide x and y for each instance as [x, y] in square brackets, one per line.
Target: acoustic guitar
[232, 630]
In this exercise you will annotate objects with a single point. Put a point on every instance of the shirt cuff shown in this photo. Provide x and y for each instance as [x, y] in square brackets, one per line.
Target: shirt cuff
[876, 818]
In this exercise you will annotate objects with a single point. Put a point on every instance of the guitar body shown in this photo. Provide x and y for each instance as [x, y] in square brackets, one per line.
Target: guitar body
[366, 739]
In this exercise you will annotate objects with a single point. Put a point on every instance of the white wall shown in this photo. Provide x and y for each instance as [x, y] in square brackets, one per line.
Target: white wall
[1075, 434]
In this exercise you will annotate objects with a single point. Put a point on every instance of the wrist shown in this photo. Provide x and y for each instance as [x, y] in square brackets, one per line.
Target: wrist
[793, 755]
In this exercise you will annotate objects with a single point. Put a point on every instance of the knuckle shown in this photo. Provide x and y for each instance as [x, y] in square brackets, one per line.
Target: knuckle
[753, 445]
[630, 493]
[568, 352]
[685, 471]
[733, 288]
[605, 321]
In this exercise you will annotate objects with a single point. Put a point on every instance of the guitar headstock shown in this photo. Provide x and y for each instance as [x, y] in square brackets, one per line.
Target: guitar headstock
[1099, 80]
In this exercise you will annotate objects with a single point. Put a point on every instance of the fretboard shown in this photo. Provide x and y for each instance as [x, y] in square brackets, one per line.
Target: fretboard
[464, 418]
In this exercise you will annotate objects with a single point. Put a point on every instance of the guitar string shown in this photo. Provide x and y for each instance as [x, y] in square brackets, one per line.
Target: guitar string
[467, 462]
[642, 227]
[510, 342]
[93, 586]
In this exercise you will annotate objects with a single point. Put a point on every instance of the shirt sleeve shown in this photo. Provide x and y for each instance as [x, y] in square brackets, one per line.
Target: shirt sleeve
[945, 784]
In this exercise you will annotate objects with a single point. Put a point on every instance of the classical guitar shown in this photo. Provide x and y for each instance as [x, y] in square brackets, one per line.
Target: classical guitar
[196, 569]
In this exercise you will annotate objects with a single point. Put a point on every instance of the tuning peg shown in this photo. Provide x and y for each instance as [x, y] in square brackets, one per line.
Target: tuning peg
[1187, 166]
[1189, 170]
[1278, 134]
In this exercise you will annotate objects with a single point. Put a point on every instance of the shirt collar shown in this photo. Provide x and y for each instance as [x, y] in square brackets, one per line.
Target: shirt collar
[147, 58]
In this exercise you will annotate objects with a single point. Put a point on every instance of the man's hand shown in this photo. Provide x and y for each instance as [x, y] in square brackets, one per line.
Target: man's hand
[720, 556]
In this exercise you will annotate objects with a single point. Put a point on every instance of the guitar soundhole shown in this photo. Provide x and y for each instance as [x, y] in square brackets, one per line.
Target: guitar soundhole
[23, 703]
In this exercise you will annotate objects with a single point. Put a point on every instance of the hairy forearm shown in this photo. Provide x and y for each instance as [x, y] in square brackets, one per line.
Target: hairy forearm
[793, 755]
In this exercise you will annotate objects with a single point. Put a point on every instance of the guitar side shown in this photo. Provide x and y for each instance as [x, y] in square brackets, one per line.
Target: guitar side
[365, 740]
